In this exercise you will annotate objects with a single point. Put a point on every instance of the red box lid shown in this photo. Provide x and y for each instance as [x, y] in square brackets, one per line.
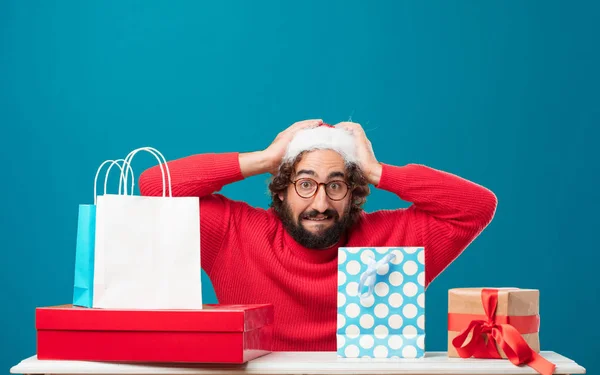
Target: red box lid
[212, 318]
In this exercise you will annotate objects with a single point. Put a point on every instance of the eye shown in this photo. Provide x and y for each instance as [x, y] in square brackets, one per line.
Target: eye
[306, 184]
[335, 186]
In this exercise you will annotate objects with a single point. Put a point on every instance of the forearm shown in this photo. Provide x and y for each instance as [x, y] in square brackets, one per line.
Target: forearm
[447, 214]
[440, 194]
[196, 175]
[254, 163]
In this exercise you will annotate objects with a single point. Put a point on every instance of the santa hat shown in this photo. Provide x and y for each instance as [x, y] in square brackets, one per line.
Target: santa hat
[323, 137]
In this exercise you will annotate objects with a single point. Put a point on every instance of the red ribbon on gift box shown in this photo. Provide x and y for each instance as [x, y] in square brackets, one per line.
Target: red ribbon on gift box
[502, 330]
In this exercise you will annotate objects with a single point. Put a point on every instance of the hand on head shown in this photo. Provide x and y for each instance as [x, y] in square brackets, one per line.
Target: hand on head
[364, 150]
[277, 148]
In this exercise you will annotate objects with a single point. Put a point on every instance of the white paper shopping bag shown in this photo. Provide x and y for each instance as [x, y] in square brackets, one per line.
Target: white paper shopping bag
[147, 249]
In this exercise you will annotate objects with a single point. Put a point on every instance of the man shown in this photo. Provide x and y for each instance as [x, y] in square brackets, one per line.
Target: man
[287, 255]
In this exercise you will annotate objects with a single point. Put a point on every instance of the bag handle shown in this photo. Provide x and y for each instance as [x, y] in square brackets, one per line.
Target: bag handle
[121, 179]
[156, 154]
[112, 163]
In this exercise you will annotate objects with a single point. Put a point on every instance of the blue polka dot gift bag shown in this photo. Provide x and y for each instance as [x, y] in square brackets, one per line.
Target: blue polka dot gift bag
[381, 302]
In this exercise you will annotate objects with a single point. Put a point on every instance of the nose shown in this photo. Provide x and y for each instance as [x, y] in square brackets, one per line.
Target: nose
[320, 200]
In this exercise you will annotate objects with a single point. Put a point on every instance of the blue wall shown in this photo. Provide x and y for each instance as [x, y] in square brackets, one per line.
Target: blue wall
[502, 93]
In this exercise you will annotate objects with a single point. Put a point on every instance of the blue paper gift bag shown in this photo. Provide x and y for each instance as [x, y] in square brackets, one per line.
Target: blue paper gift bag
[381, 302]
[84, 256]
[83, 285]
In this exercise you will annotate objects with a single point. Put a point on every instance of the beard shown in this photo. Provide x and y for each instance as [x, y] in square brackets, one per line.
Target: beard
[324, 238]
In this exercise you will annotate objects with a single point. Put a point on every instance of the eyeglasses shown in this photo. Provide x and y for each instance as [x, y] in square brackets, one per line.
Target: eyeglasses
[307, 188]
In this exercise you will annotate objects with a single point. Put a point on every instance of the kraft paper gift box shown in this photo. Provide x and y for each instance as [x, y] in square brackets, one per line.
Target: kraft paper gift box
[214, 334]
[496, 323]
[381, 302]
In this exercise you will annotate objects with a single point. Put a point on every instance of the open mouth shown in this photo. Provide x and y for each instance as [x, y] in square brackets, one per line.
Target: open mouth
[317, 218]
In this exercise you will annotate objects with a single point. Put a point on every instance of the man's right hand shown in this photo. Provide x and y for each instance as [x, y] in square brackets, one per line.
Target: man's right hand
[276, 150]
[269, 159]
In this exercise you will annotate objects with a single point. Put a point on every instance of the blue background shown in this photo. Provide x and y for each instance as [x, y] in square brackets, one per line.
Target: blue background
[503, 93]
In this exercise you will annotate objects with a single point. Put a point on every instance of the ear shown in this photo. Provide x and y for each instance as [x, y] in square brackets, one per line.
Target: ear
[280, 196]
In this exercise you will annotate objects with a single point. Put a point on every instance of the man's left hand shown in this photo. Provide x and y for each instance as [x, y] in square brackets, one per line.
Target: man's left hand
[366, 157]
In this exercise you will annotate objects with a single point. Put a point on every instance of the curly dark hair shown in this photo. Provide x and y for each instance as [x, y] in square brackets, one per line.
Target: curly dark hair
[359, 187]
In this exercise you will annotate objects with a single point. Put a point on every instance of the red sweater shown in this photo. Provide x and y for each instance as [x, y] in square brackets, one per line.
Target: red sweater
[250, 258]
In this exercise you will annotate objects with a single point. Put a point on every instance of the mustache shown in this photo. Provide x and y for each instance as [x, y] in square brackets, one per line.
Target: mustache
[314, 213]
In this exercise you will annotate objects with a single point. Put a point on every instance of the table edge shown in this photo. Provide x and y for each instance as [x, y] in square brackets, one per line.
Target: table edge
[23, 368]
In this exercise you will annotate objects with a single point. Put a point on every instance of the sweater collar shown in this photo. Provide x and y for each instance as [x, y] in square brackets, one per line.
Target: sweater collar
[317, 256]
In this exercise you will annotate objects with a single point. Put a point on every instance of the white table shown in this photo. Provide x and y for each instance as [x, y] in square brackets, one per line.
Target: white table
[309, 363]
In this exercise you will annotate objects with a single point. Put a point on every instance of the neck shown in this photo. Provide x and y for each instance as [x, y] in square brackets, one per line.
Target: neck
[313, 255]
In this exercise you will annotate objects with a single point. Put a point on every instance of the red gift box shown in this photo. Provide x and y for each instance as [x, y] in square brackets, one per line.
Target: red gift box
[215, 334]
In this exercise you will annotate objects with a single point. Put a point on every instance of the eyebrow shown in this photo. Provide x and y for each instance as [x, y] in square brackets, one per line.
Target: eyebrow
[335, 174]
[313, 173]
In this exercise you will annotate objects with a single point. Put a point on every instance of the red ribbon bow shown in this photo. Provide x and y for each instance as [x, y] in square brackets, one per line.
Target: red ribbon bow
[485, 335]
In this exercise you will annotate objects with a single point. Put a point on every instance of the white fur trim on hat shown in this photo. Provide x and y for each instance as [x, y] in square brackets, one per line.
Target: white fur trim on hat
[322, 138]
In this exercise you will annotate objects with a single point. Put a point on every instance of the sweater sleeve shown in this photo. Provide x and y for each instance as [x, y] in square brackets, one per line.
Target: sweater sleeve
[200, 176]
[447, 214]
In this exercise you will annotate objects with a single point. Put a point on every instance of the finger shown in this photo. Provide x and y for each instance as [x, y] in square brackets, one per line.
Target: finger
[352, 128]
[350, 125]
[344, 125]
[306, 124]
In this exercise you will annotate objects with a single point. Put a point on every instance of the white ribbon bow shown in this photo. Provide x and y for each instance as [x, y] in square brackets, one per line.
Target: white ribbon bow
[368, 277]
